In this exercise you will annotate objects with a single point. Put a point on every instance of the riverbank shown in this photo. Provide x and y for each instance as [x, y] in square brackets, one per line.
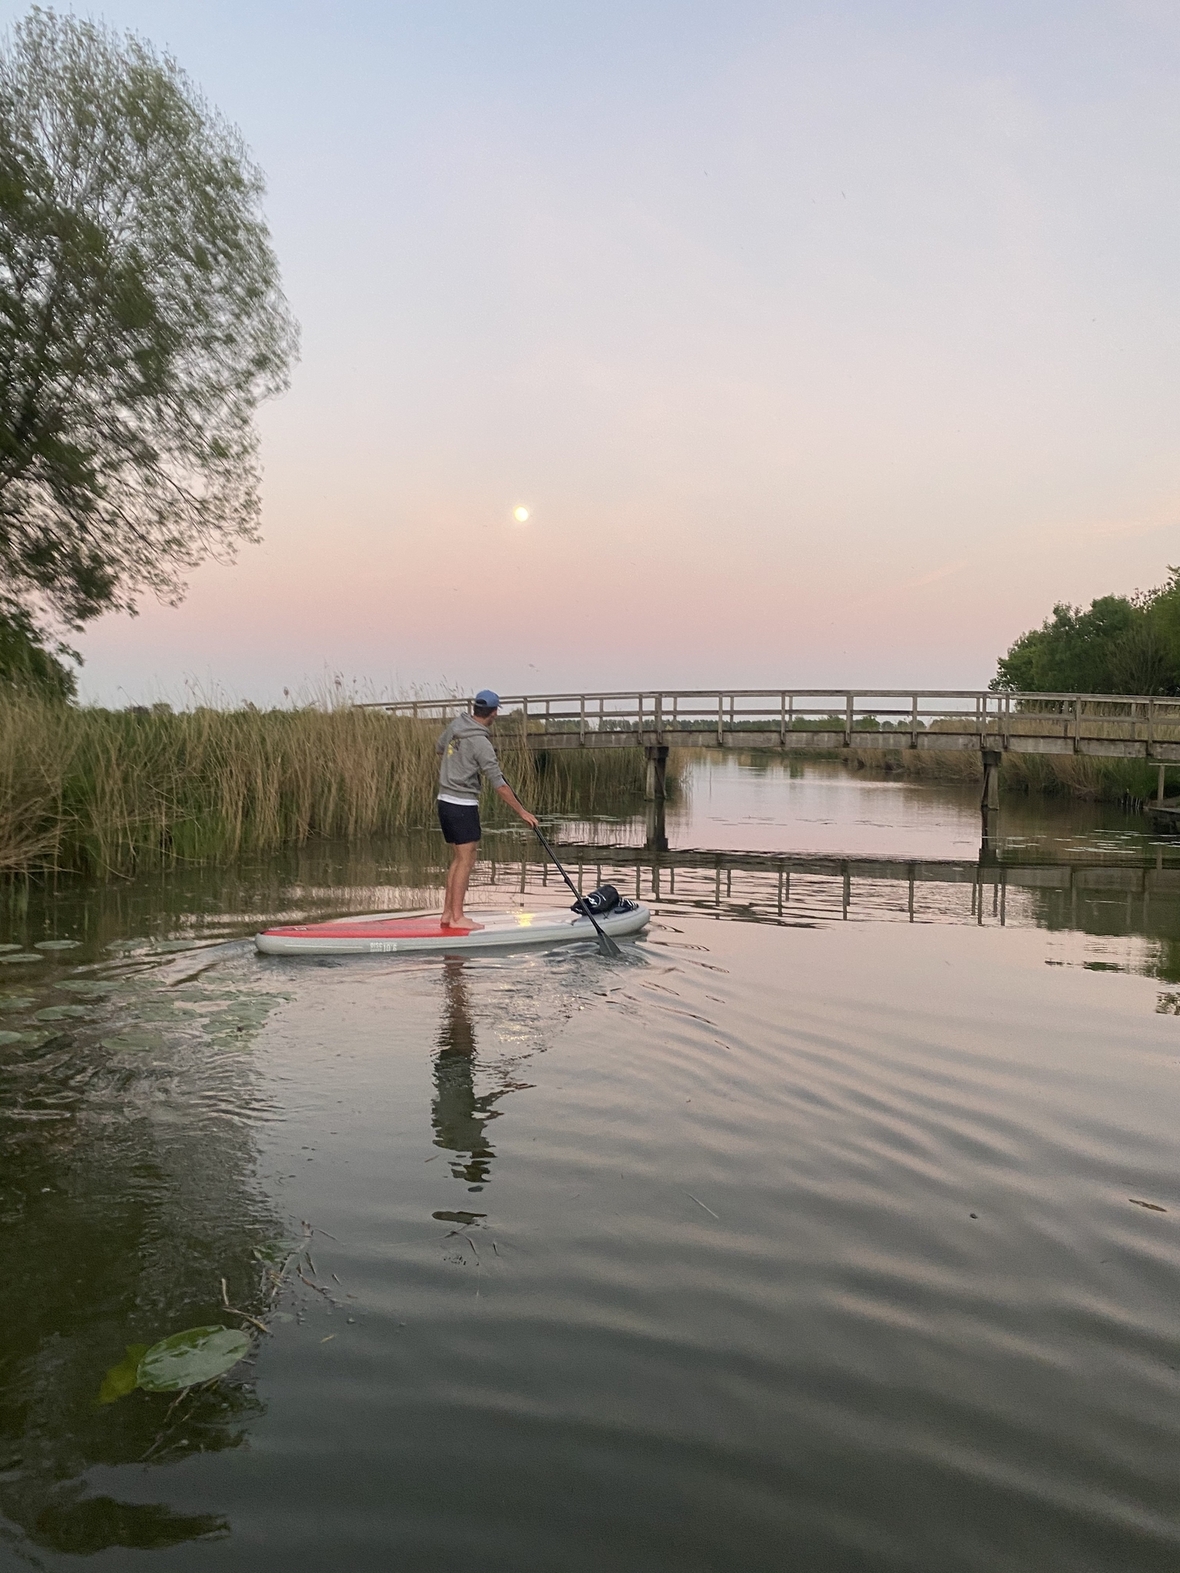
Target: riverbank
[1128, 781]
[107, 792]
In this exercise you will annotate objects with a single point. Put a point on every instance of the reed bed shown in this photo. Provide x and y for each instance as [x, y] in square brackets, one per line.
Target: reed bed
[112, 791]
[1131, 781]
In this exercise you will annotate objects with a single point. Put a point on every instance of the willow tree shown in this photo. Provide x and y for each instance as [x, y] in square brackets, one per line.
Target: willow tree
[141, 324]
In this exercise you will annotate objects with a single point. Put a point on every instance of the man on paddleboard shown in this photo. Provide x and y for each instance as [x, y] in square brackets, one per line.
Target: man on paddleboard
[467, 755]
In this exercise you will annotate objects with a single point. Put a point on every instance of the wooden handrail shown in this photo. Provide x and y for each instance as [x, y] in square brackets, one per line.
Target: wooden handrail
[860, 701]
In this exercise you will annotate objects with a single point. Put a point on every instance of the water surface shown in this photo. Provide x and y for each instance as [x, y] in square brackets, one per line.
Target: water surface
[808, 1236]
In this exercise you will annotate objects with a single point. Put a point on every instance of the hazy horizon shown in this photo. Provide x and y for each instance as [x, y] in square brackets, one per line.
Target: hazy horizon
[824, 344]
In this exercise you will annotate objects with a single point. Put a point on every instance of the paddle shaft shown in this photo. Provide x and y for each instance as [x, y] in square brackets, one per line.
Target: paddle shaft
[605, 943]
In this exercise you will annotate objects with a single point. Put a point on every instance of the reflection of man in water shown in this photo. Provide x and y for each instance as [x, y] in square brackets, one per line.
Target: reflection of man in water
[458, 1116]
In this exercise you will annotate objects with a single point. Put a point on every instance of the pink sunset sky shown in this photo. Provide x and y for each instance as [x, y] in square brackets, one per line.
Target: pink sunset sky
[825, 343]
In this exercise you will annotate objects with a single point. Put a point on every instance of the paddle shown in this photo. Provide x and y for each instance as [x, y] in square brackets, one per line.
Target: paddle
[605, 944]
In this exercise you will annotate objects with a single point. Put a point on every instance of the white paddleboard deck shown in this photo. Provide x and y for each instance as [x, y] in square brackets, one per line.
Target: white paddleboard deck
[387, 934]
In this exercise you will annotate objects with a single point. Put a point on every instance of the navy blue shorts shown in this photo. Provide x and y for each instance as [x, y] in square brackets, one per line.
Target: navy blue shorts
[460, 822]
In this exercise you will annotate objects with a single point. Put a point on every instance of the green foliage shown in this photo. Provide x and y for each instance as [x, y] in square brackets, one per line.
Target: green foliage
[26, 662]
[123, 1378]
[199, 1354]
[1122, 645]
[141, 322]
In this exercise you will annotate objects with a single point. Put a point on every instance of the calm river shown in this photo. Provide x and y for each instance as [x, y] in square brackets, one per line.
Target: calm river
[836, 1228]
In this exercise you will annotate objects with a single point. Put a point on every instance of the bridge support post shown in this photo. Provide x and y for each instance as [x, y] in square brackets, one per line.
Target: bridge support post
[656, 788]
[991, 780]
[656, 792]
[657, 833]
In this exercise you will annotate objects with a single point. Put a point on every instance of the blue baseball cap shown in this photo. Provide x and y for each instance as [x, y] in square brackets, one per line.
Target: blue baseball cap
[488, 699]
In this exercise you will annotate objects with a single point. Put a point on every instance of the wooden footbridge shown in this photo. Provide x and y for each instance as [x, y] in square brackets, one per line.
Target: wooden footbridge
[798, 721]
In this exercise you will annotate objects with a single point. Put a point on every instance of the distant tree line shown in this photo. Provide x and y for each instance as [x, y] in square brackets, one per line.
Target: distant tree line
[1122, 645]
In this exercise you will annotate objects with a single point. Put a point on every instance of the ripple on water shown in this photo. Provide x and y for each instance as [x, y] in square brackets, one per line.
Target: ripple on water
[780, 1248]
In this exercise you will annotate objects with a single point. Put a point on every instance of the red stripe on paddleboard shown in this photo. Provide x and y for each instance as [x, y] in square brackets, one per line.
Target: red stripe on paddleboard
[401, 928]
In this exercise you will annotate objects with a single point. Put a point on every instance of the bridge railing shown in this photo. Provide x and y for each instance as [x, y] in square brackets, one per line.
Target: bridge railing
[725, 711]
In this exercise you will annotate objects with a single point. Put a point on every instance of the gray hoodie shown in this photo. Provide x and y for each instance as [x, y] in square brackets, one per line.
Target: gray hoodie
[467, 753]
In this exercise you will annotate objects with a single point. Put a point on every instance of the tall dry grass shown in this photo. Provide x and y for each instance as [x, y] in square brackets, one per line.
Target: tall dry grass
[109, 791]
[1130, 781]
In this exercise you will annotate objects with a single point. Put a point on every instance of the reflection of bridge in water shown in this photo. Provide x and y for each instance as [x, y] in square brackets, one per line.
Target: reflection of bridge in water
[1101, 897]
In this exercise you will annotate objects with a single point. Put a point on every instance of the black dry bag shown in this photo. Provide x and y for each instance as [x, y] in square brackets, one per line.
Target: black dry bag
[601, 901]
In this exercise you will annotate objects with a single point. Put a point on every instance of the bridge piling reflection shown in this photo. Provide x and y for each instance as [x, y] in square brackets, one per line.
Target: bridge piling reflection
[1101, 896]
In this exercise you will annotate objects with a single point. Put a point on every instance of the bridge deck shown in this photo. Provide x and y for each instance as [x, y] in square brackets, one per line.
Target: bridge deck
[1119, 726]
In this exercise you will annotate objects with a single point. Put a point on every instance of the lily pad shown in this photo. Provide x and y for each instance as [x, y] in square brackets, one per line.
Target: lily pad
[123, 1378]
[61, 1012]
[10, 947]
[133, 1038]
[242, 1019]
[18, 1002]
[197, 1355]
[87, 985]
[11, 1037]
[57, 944]
[160, 1010]
[21, 955]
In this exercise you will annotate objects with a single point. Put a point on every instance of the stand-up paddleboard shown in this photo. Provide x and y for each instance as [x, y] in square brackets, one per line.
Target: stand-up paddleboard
[501, 931]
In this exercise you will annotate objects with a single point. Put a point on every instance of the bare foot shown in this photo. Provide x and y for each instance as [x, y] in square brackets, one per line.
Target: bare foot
[462, 923]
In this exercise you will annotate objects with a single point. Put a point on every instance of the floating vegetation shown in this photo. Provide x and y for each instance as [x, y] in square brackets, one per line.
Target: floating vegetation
[21, 955]
[199, 1354]
[35, 1039]
[246, 1015]
[88, 985]
[133, 1038]
[57, 944]
[123, 1378]
[17, 1002]
[161, 1010]
[61, 1012]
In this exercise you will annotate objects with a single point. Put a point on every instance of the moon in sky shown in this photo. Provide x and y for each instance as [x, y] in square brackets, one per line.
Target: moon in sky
[520, 515]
